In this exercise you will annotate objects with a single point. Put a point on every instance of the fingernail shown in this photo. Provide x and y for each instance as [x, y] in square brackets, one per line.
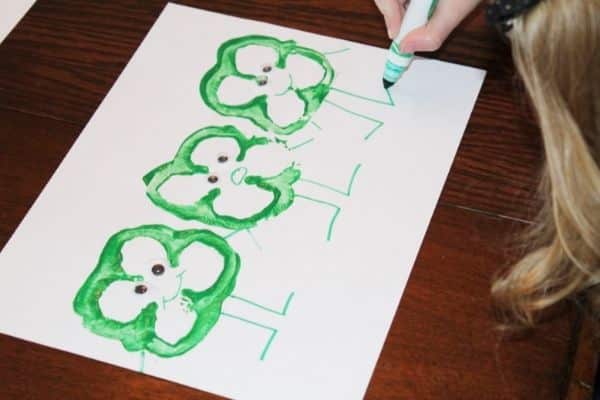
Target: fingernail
[389, 31]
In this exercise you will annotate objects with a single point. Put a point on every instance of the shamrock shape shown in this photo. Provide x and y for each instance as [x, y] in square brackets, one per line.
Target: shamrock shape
[158, 289]
[276, 84]
[213, 163]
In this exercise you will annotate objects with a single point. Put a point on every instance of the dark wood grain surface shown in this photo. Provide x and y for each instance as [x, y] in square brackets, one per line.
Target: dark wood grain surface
[585, 361]
[63, 57]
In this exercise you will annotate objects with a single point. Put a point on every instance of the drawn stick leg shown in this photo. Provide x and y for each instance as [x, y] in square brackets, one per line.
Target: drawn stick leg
[347, 191]
[282, 311]
[273, 332]
[371, 132]
[387, 101]
[302, 138]
[336, 208]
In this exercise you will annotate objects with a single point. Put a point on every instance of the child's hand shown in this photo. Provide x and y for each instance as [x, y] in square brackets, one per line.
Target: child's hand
[447, 16]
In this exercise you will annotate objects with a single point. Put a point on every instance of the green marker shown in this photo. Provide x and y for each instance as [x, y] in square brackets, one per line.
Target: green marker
[417, 14]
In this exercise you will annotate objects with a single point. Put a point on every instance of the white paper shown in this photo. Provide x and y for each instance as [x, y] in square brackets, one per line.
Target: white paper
[314, 298]
[11, 12]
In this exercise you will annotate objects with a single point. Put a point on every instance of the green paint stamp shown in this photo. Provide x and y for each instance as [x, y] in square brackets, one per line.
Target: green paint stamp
[279, 187]
[223, 151]
[137, 331]
[264, 78]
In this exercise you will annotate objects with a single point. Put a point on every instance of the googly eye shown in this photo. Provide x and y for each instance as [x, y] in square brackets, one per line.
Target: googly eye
[262, 80]
[267, 68]
[158, 269]
[213, 179]
[140, 289]
[223, 158]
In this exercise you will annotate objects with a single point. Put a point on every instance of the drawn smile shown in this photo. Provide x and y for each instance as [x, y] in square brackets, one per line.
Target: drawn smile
[180, 283]
[288, 88]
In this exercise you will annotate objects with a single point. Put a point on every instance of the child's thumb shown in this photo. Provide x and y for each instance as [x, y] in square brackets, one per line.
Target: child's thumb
[425, 38]
[446, 17]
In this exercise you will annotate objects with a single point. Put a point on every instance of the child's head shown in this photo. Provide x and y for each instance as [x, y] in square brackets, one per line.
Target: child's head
[556, 48]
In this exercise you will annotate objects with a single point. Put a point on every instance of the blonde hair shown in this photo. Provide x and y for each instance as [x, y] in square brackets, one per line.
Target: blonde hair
[556, 48]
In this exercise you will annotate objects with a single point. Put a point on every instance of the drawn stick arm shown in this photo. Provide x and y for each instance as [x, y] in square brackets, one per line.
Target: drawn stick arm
[280, 310]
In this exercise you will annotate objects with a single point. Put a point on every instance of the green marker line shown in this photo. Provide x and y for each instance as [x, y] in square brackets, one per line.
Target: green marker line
[231, 234]
[328, 53]
[238, 175]
[346, 192]
[378, 123]
[391, 100]
[268, 345]
[142, 360]
[316, 125]
[283, 312]
[388, 102]
[269, 341]
[287, 302]
[335, 214]
[292, 148]
[289, 88]
[249, 231]
[372, 132]
[333, 219]
[166, 301]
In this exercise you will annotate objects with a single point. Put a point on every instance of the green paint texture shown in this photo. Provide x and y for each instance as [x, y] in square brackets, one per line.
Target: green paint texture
[280, 186]
[256, 109]
[139, 334]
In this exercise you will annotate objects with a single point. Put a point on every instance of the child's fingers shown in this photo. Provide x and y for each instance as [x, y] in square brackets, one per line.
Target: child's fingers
[393, 12]
[447, 16]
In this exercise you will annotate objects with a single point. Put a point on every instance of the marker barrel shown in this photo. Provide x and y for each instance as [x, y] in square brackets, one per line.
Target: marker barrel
[417, 14]
[396, 63]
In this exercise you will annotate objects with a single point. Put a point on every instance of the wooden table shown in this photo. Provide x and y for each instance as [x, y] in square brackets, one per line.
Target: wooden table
[62, 59]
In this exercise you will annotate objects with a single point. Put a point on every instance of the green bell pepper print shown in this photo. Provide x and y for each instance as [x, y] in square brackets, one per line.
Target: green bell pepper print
[256, 109]
[139, 334]
[203, 210]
